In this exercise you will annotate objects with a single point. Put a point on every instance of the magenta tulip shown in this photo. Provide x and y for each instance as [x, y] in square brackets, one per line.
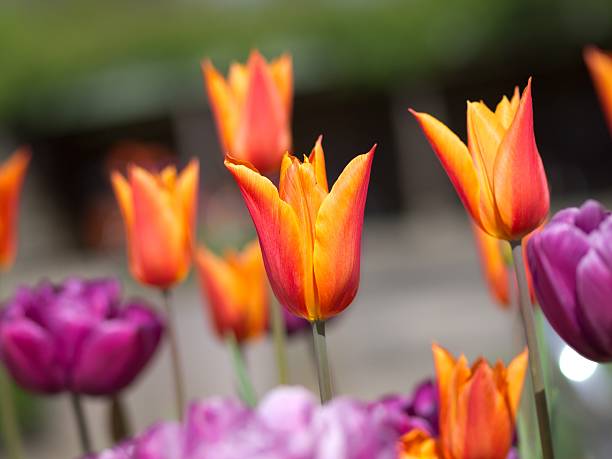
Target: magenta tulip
[77, 337]
[571, 264]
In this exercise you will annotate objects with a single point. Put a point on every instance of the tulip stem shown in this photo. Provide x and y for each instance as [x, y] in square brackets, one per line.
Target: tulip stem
[320, 347]
[177, 368]
[79, 415]
[279, 332]
[119, 423]
[535, 363]
[245, 386]
[10, 427]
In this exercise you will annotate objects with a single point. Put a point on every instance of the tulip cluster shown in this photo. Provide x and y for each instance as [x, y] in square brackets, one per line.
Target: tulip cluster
[289, 423]
[77, 337]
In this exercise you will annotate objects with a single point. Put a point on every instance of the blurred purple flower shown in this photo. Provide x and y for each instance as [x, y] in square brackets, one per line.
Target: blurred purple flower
[288, 423]
[76, 337]
[571, 264]
[293, 323]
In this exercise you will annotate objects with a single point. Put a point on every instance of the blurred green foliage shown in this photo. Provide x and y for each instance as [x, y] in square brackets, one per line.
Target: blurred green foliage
[57, 58]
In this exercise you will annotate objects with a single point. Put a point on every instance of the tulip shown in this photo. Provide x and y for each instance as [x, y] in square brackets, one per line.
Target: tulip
[310, 237]
[600, 66]
[571, 262]
[77, 337]
[12, 173]
[478, 407]
[252, 109]
[159, 212]
[499, 175]
[237, 291]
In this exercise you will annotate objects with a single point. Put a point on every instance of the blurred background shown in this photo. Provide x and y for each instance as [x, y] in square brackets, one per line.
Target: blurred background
[94, 85]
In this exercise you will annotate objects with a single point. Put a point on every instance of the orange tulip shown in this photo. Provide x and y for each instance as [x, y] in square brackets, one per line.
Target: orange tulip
[478, 408]
[12, 173]
[499, 175]
[237, 291]
[310, 237]
[600, 65]
[159, 212]
[252, 109]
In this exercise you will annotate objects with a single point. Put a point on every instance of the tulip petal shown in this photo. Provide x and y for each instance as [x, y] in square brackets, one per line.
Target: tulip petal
[218, 282]
[12, 173]
[594, 288]
[107, 357]
[590, 215]
[520, 186]
[187, 192]
[506, 109]
[317, 158]
[263, 129]
[600, 67]
[515, 377]
[485, 134]
[456, 161]
[337, 247]
[158, 242]
[488, 427]
[279, 235]
[29, 354]
[554, 256]
[282, 73]
[222, 103]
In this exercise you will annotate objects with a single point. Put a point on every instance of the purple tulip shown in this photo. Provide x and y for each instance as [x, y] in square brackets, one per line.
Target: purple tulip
[571, 264]
[288, 423]
[77, 337]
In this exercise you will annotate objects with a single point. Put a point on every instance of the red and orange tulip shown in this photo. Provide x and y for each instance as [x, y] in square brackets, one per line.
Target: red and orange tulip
[478, 407]
[236, 288]
[252, 109]
[499, 175]
[600, 66]
[12, 173]
[310, 236]
[159, 212]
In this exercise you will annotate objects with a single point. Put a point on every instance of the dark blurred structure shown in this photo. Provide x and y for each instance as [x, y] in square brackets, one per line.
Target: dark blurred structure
[80, 76]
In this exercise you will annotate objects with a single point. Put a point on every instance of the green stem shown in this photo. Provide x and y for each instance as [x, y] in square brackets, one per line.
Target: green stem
[177, 368]
[119, 424]
[535, 363]
[245, 386]
[81, 421]
[10, 427]
[320, 347]
[279, 333]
